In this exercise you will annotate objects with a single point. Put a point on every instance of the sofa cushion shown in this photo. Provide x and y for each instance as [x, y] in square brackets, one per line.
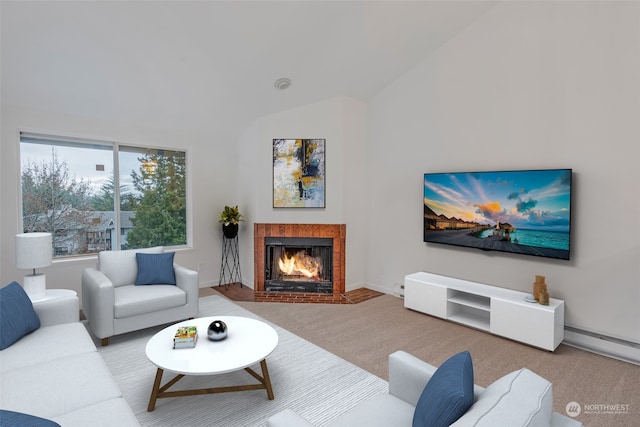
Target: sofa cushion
[60, 341]
[121, 267]
[108, 413]
[17, 316]
[18, 419]
[134, 300]
[53, 388]
[521, 398]
[155, 269]
[448, 394]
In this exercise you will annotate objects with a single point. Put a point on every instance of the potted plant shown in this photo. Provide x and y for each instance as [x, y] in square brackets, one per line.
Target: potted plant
[229, 218]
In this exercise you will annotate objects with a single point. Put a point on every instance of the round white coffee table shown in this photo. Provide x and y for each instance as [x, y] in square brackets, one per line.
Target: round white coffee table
[248, 342]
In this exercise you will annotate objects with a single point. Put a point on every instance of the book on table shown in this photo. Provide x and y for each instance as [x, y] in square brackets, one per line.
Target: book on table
[185, 344]
[185, 337]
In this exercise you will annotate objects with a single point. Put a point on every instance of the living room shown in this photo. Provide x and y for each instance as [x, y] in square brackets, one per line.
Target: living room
[517, 85]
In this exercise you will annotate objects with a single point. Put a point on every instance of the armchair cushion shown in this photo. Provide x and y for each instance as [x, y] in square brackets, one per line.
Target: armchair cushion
[135, 300]
[17, 316]
[448, 394]
[155, 269]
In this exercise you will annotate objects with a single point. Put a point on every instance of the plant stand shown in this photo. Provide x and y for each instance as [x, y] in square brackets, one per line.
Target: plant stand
[230, 266]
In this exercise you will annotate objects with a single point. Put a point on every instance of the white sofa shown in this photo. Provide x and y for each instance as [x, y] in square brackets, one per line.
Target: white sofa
[520, 398]
[56, 373]
[113, 305]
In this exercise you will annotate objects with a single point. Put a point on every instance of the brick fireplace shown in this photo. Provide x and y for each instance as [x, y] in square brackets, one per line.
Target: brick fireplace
[336, 232]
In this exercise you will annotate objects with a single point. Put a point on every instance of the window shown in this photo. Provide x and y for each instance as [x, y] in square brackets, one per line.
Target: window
[70, 189]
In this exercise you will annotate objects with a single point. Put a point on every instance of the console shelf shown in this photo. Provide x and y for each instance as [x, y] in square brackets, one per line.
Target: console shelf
[470, 300]
[500, 311]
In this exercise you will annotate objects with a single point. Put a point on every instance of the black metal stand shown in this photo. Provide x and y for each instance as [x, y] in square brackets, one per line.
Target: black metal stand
[230, 267]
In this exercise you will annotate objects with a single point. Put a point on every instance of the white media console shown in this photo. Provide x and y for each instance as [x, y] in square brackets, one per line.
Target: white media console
[500, 311]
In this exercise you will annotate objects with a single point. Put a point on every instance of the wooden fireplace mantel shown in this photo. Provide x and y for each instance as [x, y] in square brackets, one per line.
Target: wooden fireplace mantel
[338, 232]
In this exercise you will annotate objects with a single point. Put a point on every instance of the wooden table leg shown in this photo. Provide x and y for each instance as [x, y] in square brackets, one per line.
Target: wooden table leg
[267, 380]
[155, 390]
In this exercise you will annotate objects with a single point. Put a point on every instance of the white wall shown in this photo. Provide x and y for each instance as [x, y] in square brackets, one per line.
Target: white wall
[209, 168]
[530, 85]
[341, 121]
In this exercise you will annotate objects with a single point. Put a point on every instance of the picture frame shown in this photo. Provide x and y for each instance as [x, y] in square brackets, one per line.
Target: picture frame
[299, 173]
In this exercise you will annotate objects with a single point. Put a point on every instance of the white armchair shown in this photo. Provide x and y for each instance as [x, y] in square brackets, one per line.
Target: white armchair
[114, 305]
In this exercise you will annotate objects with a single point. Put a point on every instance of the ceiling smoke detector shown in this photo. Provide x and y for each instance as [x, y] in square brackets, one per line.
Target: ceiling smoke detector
[283, 83]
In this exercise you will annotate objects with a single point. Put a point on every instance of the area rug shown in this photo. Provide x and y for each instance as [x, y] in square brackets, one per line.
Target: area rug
[305, 378]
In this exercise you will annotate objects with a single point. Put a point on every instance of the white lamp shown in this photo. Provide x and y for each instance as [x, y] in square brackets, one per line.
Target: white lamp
[33, 250]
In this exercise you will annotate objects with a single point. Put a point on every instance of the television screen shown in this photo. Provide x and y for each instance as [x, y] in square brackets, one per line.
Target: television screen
[525, 212]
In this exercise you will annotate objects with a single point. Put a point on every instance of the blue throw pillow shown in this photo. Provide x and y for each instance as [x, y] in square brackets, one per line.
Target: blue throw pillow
[155, 269]
[17, 419]
[447, 395]
[17, 316]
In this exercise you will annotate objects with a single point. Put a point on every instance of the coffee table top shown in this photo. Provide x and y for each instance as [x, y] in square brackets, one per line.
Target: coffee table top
[248, 341]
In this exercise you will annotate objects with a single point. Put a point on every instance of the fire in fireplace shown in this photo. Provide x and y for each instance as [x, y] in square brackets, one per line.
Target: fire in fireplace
[298, 264]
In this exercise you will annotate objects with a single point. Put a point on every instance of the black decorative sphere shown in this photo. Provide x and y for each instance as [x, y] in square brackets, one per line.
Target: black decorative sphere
[217, 330]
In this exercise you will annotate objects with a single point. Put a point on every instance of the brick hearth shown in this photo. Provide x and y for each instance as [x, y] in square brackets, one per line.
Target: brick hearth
[338, 232]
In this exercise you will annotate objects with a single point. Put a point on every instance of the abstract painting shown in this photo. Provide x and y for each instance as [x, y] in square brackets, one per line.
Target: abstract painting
[298, 173]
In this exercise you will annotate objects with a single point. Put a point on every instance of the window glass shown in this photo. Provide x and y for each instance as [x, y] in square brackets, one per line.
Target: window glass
[69, 189]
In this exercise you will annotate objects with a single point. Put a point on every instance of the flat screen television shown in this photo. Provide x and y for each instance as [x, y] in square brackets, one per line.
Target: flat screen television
[525, 212]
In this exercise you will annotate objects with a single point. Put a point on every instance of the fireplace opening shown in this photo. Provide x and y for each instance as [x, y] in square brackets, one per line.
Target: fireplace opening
[298, 264]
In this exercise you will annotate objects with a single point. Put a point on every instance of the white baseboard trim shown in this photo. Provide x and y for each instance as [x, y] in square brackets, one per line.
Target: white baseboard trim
[353, 287]
[208, 284]
[398, 289]
[606, 346]
[214, 283]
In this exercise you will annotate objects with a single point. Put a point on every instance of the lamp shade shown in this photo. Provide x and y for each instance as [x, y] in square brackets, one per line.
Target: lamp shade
[33, 250]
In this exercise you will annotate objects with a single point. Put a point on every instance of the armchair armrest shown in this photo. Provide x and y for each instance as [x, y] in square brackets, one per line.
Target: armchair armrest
[187, 280]
[98, 301]
[287, 418]
[408, 376]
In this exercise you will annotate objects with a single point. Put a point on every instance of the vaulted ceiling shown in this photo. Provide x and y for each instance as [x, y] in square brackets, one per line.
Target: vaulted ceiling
[212, 64]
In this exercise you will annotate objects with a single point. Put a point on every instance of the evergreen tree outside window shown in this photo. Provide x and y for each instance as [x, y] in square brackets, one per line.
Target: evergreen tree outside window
[160, 208]
[69, 188]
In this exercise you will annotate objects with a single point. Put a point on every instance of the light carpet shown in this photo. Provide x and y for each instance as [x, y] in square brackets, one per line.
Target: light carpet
[305, 378]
